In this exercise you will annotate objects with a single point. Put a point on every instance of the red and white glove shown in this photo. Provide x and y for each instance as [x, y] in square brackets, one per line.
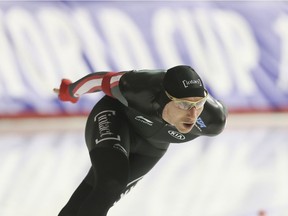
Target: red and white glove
[63, 91]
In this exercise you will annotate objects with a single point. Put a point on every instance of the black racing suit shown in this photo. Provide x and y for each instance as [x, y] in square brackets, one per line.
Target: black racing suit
[126, 135]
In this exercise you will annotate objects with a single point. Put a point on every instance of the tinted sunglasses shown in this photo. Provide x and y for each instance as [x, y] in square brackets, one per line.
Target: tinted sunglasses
[186, 104]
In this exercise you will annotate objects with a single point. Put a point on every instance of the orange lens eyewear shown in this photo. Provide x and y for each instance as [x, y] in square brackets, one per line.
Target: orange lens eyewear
[186, 104]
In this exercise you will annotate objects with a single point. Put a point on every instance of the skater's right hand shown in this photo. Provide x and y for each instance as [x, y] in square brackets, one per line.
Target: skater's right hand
[63, 91]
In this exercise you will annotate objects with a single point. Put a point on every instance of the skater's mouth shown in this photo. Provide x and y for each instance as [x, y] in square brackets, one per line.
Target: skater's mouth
[188, 125]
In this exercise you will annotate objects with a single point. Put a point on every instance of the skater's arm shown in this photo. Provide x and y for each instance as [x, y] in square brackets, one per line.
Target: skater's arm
[94, 82]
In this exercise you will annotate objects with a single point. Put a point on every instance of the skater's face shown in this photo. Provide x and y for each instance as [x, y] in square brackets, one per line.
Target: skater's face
[183, 113]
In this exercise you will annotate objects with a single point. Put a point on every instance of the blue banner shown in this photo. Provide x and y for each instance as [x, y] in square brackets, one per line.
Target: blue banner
[239, 48]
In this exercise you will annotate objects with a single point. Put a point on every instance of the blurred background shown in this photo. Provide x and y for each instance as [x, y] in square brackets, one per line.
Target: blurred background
[240, 49]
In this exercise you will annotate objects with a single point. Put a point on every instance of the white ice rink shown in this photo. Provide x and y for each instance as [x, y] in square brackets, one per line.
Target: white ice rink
[238, 173]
